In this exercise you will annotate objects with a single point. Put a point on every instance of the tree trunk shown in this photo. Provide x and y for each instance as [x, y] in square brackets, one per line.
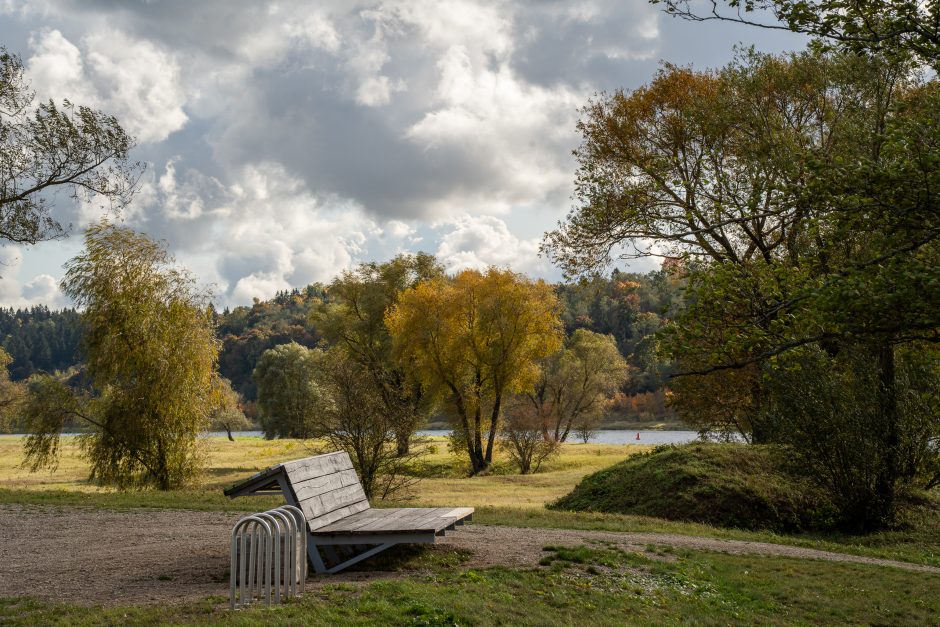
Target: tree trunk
[228, 432]
[402, 442]
[471, 432]
[494, 422]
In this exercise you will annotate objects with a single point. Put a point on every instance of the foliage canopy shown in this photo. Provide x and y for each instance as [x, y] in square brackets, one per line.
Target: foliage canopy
[48, 147]
[474, 339]
[151, 354]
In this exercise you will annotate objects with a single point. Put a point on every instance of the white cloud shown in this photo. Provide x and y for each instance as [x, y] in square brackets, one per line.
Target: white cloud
[131, 79]
[485, 27]
[265, 233]
[516, 131]
[42, 289]
[480, 241]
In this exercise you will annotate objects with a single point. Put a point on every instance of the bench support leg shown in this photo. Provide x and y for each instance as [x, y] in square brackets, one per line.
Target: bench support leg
[314, 554]
[316, 560]
[361, 556]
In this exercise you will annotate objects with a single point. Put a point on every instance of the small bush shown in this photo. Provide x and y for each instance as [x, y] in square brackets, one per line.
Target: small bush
[727, 485]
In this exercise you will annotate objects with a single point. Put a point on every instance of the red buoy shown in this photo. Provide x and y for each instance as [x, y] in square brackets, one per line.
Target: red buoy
[637, 435]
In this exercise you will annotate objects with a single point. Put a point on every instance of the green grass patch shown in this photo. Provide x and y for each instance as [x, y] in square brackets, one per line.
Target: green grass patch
[731, 485]
[597, 584]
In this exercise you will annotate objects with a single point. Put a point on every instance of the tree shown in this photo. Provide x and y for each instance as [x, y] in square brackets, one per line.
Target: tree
[807, 218]
[47, 147]
[226, 408]
[523, 436]
[151, 353]
[356, 420]
[472, 341]
[576, 382]
[838, 434]
[289, 395]
[881, 26]
[354, 318]
[11, 394]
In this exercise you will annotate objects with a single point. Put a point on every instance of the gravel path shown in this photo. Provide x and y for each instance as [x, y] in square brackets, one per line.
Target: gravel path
[85, 555]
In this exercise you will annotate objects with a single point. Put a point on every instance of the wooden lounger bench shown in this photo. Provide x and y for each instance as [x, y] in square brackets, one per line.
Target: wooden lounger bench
[342, 528]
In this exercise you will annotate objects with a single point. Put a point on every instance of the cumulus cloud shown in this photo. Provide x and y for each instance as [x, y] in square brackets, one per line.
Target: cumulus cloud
[132, 79]
[263, 233]
[289, 140]
[476, 242]
[42, 289]
[487, 118]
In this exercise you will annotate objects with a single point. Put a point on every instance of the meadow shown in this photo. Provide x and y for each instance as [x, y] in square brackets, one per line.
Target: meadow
[663, 584]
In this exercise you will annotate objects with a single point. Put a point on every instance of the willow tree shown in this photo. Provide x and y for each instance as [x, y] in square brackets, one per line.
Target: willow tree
[473, 340]
[227, 414]
[150, 357]
[576, 382]
[11, 394]
[289, 395]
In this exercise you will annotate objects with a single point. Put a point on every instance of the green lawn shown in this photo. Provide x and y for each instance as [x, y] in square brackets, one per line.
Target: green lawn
[593, 584]
[598, 584]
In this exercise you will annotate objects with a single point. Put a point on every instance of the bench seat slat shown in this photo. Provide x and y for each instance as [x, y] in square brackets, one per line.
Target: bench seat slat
[398, 520]
[315, 523]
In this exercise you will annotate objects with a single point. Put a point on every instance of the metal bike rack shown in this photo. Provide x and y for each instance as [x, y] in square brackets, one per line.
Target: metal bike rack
[260, 566]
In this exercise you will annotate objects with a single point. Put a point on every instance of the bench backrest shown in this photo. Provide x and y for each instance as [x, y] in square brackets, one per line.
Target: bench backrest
[326, 487]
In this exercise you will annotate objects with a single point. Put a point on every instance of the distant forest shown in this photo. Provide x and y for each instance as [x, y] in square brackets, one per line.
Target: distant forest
[629, 306]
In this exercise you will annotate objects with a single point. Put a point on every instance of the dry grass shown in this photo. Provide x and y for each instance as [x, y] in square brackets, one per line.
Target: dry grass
[444, 480]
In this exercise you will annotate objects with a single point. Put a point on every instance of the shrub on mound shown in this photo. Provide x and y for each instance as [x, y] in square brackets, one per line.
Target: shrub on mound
[727, 485]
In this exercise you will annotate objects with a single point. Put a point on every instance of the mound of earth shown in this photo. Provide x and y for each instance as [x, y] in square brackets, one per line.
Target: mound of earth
[726, 485]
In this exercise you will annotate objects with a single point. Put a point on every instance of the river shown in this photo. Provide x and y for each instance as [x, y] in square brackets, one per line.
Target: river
[605, 436]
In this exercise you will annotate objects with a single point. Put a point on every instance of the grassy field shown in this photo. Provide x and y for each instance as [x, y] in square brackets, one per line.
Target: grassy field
[444, 478]
[597, 584]
[501, 498]
[660, 587]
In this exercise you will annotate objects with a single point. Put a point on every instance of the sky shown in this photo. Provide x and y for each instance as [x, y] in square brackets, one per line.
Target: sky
[285, 142]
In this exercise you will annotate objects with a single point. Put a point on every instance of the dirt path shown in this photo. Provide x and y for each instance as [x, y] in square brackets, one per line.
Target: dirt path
[84, 555]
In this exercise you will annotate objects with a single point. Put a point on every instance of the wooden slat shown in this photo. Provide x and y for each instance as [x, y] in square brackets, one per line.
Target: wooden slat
[406, 520]
[326, 483]
[431, 521]
[333, 500]
[373, 519]
[439, 519]
[317, 466]
[362, 519]
[316, 522]
[382, 521]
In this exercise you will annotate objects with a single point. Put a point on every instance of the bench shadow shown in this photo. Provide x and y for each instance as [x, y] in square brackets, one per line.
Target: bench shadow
[414, 557]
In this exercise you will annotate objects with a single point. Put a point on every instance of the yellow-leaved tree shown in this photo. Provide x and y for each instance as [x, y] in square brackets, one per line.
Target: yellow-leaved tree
[473, 339]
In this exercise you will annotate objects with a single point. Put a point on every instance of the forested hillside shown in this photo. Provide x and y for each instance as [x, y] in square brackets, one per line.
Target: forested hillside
[246, 332]
[630, 307]
[40, 340]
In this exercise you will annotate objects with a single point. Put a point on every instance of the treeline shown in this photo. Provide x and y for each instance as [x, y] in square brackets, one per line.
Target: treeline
[40, 340]
[628, 306]
[246, 332]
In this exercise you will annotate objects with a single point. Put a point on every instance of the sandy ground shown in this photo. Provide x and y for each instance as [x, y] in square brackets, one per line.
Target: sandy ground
[93, 556]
